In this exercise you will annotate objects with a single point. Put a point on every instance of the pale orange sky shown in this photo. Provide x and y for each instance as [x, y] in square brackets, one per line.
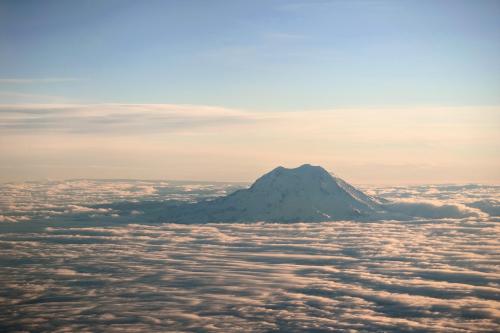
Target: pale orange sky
[394, 145]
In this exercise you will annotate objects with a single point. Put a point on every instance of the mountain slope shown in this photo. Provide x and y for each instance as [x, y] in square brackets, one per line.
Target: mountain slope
[306, 193]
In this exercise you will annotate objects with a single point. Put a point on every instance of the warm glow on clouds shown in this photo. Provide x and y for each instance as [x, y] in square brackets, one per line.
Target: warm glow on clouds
[372, 145]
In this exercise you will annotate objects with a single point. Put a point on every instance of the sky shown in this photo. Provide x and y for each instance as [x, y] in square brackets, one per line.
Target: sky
[377, 92]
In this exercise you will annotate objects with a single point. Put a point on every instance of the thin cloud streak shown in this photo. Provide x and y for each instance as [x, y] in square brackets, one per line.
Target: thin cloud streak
[37, 80]
[21, 98]
[116, 118]
[111, 116]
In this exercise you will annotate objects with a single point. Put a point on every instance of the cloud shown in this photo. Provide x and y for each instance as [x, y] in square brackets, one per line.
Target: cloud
[333, 276]
[489, 206]
[147, 200]
[4, 218]
[432, 209]
[117, 118]
[441, 200]
[36, 80]
[20, 98]
[81, 199]
[284, 36]
[72, 209]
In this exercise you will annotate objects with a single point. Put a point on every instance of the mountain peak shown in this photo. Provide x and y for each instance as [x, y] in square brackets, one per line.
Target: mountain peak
[305, 193]
[309, 166]
[305, 170]
[300, 168]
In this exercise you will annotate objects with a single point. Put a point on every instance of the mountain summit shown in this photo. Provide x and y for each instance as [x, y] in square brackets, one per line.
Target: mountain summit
[306, 193]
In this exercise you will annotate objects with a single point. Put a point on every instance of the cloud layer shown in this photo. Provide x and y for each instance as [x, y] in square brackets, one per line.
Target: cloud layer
[417, 275]
[388, 276]
[122, 200]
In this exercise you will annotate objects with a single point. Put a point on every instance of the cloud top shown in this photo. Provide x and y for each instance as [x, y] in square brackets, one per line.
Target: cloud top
[83, 247]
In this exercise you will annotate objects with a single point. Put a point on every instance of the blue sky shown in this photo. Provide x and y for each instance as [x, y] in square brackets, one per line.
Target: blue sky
[376, 91]
[258, 55]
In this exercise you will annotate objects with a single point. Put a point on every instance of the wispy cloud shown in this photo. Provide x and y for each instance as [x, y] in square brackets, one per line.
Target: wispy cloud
[37, 80]
[117, 118]
[284, 36]
[22, 98]
[369, 124]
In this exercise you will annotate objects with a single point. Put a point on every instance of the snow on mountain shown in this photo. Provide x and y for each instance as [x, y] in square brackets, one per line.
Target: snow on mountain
[306, 193]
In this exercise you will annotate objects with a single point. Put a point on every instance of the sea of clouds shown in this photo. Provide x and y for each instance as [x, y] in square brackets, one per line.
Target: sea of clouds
[88, 255]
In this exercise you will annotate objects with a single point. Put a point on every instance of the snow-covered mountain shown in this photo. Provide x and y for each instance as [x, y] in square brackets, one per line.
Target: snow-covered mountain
[306, 193]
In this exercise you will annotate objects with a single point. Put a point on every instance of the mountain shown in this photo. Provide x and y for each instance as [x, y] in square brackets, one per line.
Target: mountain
[306, 193]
